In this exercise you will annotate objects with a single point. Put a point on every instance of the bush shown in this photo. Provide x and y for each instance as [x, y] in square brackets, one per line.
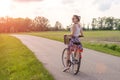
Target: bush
[117, 48]
[106, 45]
[113, 47]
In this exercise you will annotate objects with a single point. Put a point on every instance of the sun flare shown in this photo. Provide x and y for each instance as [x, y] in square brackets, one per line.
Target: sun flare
[5, 7]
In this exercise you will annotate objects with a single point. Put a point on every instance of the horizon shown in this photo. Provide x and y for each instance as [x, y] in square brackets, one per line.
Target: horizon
[60, 10]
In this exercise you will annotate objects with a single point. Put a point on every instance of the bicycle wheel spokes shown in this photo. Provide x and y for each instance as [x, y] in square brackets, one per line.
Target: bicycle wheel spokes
[76, 63]
[64, 57]
[75, 67]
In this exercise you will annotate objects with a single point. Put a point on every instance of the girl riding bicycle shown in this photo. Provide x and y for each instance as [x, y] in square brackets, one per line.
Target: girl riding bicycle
[76, 32]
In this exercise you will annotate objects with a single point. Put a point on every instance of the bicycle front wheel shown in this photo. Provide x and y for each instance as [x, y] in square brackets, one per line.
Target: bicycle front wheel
[64, 58]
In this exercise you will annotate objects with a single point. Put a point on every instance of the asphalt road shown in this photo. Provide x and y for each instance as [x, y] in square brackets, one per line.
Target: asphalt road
[95, 65]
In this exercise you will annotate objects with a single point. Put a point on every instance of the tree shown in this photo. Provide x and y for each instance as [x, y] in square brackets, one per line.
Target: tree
[110, 23]
[101, 23]
[104, 23]
[94, 23]
[40, 23]
[58, 25]
[88, 26]
[8, 24]
[117, 24]
[27, 24]
[2, 24]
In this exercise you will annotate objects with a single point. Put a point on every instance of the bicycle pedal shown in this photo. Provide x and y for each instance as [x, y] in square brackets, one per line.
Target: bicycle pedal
[66, 69]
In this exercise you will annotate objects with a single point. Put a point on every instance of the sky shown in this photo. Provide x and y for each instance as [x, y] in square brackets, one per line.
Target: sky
[60, 10]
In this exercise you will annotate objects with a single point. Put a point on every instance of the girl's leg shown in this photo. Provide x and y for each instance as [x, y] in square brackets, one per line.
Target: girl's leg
[77, 54]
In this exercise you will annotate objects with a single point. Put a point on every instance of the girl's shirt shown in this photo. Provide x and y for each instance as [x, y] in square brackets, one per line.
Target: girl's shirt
[77, 30]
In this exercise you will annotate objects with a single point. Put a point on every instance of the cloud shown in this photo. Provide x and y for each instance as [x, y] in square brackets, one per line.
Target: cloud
[68, 1]
[28, 0]
[104, 5]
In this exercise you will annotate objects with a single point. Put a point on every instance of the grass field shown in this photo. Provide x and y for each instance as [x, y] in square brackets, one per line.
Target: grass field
[103, 41]
[109, 36]
[17, 62]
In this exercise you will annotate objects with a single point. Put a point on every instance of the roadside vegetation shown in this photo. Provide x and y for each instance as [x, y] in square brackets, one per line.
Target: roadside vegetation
[17, 62]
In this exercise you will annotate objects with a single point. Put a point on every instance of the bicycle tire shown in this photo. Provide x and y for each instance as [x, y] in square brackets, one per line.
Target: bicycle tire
[64, 62]
[78, 65]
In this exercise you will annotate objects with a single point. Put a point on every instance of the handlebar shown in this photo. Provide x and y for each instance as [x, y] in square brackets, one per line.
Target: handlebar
[74, 36]
[80, 36]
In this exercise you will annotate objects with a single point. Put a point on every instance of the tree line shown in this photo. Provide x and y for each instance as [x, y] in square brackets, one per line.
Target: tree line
[39, 23]
[104, 23]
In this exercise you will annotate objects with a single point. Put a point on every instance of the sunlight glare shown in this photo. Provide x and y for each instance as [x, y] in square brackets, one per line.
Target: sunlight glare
[5, 7]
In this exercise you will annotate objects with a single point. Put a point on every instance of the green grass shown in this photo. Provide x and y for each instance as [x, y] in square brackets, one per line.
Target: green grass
[110, 36]
[109, 49]
[17, 62]
[92, 40]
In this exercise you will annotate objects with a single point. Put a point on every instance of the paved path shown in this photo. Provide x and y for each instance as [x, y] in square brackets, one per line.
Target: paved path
[95, 65]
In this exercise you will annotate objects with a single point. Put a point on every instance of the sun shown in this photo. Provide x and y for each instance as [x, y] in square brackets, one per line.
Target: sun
[5, 7]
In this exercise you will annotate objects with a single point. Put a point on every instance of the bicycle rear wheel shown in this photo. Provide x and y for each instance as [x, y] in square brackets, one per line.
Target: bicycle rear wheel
[76, 63]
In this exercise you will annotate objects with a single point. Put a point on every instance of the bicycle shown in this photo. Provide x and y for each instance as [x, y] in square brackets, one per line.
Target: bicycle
[75, 58]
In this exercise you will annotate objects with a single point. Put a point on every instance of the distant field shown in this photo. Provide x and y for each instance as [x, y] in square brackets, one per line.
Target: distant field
[17, 62]
[110, 36]
[103, 41]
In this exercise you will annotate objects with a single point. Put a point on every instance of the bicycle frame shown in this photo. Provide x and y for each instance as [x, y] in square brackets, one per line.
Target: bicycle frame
[76, 50]
[75, 58]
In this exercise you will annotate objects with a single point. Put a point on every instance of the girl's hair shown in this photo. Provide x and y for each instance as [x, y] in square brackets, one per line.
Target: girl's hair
[77, 17]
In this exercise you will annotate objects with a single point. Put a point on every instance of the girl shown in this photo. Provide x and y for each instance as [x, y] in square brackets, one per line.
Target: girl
[76, 32]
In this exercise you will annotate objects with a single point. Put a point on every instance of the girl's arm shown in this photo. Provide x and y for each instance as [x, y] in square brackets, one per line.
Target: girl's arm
[81, 31]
